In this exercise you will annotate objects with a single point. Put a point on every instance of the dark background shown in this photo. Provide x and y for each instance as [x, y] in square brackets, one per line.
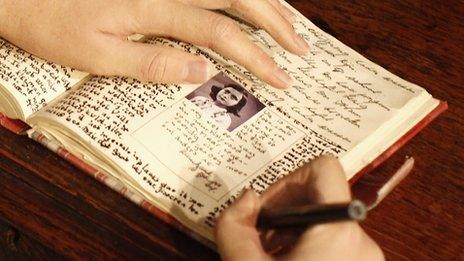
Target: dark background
[49, 209]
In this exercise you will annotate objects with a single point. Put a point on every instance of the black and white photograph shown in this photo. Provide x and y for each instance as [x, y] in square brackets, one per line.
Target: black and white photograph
[225, 101]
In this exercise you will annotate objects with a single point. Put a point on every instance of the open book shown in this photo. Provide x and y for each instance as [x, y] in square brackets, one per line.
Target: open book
[189, 150]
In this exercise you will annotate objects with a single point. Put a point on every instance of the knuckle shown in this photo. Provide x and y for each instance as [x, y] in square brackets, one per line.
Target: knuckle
[324, 164]
[237, 3]
[263, 59]
[326, 160]
[224, 218]
[155, 67]
[223, 28]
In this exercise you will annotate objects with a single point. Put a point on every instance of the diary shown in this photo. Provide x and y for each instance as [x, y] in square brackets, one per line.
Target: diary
[185, 152]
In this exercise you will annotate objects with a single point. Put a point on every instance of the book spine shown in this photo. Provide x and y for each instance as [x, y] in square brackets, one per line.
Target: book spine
[15, 126]
[115, 184]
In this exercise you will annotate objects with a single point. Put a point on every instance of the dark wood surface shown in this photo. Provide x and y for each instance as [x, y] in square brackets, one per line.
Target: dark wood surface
[49, 209]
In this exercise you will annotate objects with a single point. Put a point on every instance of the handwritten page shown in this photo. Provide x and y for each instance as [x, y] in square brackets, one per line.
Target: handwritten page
[191, 166]
[336, 91]
[31, 80]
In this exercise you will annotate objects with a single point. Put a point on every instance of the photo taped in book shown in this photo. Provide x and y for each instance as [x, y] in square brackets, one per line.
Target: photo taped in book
[225, 102]
[179, 156]
[336, 92]
[206, 154]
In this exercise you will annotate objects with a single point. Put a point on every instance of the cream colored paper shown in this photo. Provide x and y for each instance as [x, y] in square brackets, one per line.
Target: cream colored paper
[158, 141]
[31, 81]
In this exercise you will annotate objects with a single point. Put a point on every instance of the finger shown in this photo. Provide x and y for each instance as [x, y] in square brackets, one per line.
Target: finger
[226, 4]
[321, 181]
[335, 240]
[327, 182]
[148, 62]
[206, 28]
[236, 234]
[266, 16]
[278, 241]
[284, 11]
[208, 4]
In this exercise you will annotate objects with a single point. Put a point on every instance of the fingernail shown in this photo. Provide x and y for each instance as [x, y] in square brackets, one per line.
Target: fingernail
[197, 72]
[302, 44]
[282, 76]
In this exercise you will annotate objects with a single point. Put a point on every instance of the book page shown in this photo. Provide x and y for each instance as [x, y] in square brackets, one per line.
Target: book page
[179, 156]
[32, 81]
[192, 155]
[336, 91]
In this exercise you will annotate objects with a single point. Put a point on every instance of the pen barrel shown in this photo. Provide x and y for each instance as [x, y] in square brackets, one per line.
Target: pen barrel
[311, 215]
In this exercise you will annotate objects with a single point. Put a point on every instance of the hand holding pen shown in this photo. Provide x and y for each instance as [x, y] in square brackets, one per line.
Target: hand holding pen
[286, 217]
[320, 182]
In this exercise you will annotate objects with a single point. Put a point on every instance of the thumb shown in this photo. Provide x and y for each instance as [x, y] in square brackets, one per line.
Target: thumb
[236, 234]
[151, 63]
[321, 181]
[209, 4]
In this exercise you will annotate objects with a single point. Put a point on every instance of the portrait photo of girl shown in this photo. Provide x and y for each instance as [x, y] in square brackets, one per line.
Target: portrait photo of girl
[226, 102]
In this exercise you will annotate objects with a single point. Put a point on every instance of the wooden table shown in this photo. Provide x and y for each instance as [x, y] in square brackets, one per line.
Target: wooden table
[49, 209]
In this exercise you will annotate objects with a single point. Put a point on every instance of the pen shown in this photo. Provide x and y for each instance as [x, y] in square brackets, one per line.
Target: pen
[311, 214]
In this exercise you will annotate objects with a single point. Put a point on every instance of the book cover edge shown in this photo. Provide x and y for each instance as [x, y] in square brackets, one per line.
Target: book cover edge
[439, 109]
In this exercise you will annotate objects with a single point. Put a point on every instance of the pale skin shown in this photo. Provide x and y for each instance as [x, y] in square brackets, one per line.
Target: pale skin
[92, 36]
[229, 97]
[321, 181]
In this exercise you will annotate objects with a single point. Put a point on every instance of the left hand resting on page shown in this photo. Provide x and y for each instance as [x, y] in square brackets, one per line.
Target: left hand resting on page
[91, 35]
[321, 181]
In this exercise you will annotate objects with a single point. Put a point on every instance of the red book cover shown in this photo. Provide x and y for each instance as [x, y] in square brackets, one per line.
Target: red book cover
[15, 126]
[442, 106]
